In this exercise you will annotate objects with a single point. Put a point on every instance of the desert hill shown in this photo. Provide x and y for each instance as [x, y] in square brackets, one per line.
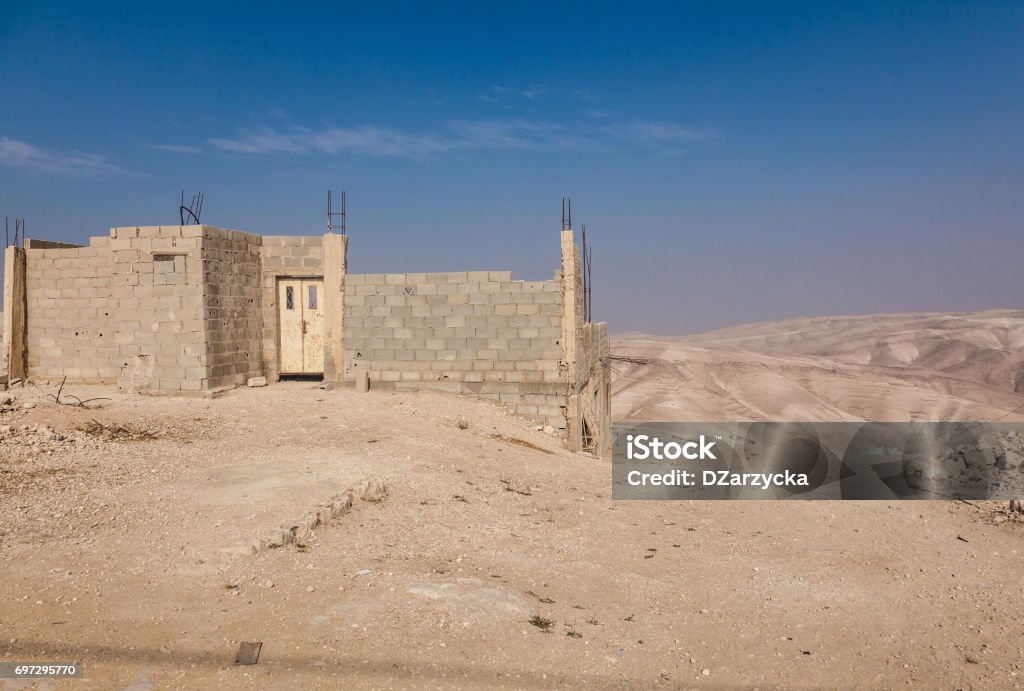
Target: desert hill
[892, 367]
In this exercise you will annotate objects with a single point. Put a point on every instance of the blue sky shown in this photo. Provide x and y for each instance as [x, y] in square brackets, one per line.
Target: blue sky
[733, 162]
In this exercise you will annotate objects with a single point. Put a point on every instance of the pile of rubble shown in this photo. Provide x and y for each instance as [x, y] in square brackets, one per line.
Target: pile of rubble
[993, 463]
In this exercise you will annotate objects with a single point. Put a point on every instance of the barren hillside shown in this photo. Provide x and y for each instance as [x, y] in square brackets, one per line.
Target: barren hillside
[879, 367]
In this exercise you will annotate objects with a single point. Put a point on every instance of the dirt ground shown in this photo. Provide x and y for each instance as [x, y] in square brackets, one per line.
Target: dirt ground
[497, 560]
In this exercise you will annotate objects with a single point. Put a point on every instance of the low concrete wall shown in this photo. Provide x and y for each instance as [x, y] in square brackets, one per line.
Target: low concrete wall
[71, 314]
[476, 332]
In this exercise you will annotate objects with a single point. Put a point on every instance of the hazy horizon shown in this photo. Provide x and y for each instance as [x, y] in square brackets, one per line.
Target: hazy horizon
[614, 334]
[733, 164]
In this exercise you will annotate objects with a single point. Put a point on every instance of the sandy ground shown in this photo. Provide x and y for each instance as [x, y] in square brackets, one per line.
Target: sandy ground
[498, 560]
[111, 554]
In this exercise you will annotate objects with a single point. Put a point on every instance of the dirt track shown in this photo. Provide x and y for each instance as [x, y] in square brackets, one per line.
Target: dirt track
[111, 554]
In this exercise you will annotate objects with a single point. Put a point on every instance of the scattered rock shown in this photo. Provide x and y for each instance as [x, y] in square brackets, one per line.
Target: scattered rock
[1008, 460]
[372, 490]
[256, 381]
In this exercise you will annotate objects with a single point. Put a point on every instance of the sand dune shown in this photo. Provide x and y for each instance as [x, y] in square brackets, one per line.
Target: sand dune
[891, 367]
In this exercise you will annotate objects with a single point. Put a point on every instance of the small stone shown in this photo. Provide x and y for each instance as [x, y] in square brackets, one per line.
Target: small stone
[548, 429]
[310, 588]
[256, 381]
[268, 583]
[1009, 461]
[706, 672]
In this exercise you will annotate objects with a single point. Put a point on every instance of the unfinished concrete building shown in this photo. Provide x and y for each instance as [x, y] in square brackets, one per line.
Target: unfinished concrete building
[198, 309]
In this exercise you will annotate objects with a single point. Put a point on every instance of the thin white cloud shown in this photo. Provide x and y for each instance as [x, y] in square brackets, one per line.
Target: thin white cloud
[366, 140]
[24, 156]
[507, 134]
[497, 93]
[179, 148]
[458, 135]
[654, 132]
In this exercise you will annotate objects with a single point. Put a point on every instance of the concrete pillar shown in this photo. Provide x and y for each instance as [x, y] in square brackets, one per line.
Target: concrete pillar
[571, 317]
[335, 265]
[15, 313]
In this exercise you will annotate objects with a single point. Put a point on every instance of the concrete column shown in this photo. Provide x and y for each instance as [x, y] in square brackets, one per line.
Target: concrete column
[15, 313]
[335, 266]
[570, 317]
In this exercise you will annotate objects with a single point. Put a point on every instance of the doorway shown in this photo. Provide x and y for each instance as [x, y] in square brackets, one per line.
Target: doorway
[301, 320]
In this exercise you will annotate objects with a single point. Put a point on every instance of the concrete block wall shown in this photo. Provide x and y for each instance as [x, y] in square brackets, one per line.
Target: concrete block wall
[157, 308]
[286, 256]
[233, 321]
[157, 301]
[125, 309]
[69, 321]
[476, 332]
